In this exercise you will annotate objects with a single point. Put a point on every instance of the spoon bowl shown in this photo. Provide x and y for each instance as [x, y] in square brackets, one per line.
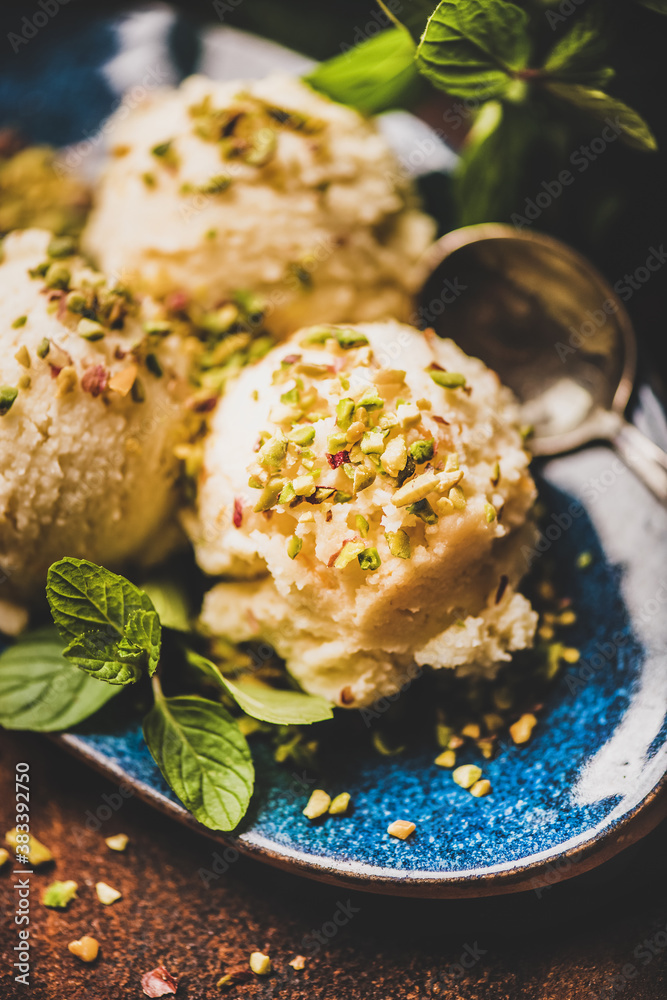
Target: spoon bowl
[539, 314]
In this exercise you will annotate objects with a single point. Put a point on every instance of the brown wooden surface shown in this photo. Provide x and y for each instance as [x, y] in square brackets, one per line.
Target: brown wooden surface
[583, 938]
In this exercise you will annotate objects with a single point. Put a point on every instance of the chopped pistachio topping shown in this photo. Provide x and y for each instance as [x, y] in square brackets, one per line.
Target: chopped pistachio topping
[24, 382]
[294, 546]
[287, 493]
[302, 435]
[43, 348]
[149, 179]
[395, 456]
[118, 842]
[138, 391]
[23, 356]
[58, 895]
[19, 322]
[446, 759]
[457, 497]
[423, 510]
[344, 412]
[372, 443]
[466, 775]
[318, 804]
[260, 963]
[90, 330]
[8, 394]
[348, 338]
[158, 327]
[369, 559]
[422, 451]
[448, 380]
[361, 525]
[399, 543]
[348, 553]
[490, 512]
[480, 788]
[401, 828]
[269, 495]
[273, 451]
[371, 400]
[389, 376]
[339, 804]
[58, 276]
[415, 490]
[62, 246]
[452, 462]
[106, 893]
[304, 486]
[37, 853]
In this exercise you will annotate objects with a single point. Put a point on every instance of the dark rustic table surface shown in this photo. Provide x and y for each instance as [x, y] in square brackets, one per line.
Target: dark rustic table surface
[602, 935]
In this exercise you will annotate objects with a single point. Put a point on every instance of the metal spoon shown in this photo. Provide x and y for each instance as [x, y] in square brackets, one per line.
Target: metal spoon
[540, 315]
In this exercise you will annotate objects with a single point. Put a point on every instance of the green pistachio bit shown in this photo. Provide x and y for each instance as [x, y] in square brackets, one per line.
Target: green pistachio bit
[406, 472]
[59, 894]
[7, 396]
[162, 150]
[344, 412]
[423, 510]
[421, 451]
[149, 179]
[457, 497]
[269, 495]
[23, 356]
[263, 147]
[348, 553]
[466, 775]
[369, 559]
[57, 276]
[24, 382]
[371, 400]
[448, 380]
[154, 365]
[255, 483]
[363, 478]
[348, 338]
[361, 525]
[287, 493]
[158, 327]
[452, 463]
[291, 396]
[76, 302]
[317, 335]
[584, 560]
[490, 512]
[43, 348]
[210, 234]
[336, 442]
[340, 497]
[318, 804]
[19, 321]
[349, 469]
[272, 453]
[446, 759]
[40, 270]
[216, 185]
[399, 543]
[387, 421]
[321, 493]
[137, 391]
[90, 330]
[495, 474]
[259, 963]
[62, 246]
[372, 443]
[294, 546]
[340, 804]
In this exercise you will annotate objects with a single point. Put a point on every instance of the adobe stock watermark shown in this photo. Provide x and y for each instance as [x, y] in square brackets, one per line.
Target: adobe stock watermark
[319, 937]
[564, 10]
[32, 24]
[441, 983]
[644, 953]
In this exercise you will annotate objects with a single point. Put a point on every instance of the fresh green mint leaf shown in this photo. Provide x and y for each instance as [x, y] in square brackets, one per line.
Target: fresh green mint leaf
[41, 690]
[411, 14]
[170, 601]
[378, 74]
[577, 56]
[474, 48]
[203, 756]
[633, 129]
[110, 626]
[283, 708]
[659, 6]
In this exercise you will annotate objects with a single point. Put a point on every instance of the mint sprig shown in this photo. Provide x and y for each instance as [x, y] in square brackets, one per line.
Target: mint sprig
[110, 626]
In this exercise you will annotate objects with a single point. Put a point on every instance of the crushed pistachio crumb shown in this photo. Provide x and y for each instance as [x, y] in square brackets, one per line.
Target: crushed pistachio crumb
[118, 842]
[446, 759]
[59, 895]
[85, 948]
[57, 276]
[466, 775]
[340, 804]
[457, 497]
[37, 853]
[43, 348]
[522, 729]
[318, 804]
[106, 893]
[298, 962]
[480, 788]
[62, 246]
[8, 394]
[294, 546]
[302, 435]
[259, 963]
[448, 380]
[369, 559]
[348, 553]
[90, 330]
[362, 525]
[24, 382]
[399, 543]
[19, 322]
[401, 828]
[23, 356]
[490, 512]
[422, 451]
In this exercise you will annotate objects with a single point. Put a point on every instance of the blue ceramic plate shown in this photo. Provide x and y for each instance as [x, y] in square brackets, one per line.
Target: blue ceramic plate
[590, 781]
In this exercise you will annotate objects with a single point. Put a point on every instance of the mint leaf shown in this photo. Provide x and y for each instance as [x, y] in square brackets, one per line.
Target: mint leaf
[171, 603]
[659, 6]
[474, 48]
[634, 130]
[42, 691]
[576, 56]
[412, 14]
[283, 708]
[111, 627]
[378, 74]
[203, 756]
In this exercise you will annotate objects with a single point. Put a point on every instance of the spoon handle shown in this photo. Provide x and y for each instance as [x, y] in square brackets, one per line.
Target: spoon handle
[646, 459]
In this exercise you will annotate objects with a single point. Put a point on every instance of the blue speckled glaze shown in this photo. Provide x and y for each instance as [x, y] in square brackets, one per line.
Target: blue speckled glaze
[599, 754]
